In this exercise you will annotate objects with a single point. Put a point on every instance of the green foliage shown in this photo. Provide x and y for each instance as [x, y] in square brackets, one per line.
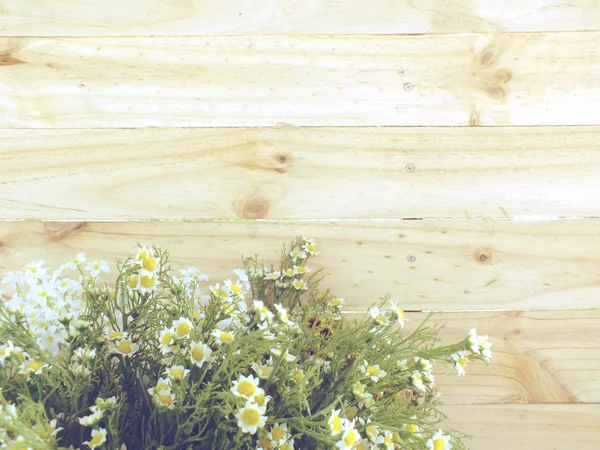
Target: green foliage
[269, 360]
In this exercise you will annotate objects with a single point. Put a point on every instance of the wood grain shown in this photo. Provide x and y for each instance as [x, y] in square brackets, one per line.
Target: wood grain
[527, 427]
[458, 264]
[538, 357]
[204, 17]
[454, 80]
[307, 173]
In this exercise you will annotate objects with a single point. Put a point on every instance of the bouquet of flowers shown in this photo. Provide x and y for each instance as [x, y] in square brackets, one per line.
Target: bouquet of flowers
[164, 360]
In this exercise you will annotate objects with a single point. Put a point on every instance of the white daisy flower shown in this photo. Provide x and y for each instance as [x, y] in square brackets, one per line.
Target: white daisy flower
[47, 430]
[167, 340]
[164, 399]
[147, 259]
[439, 441]
[251, 417]
[246, 387]
[472, 342]
[263, 371]
[282, 314]
[75, 262]
[301, 270]
[373, 372]
[310, 247]
[278, 434]
[35, 270]
[95, 267]
[300, 285]
[378, 316]
[416, 381]
[200, 353]
[6, 350]
[125, 347]
[163, 385]
[460, 361]
[350, 436]
[265, 313]
[176, 373]
[335, 422]
[98, 438]
[222, 337]
[275, 275]
[32, 367]
[289, 273]
[148, 282]
[182, 327]
[397, 314]
[92, 420]
[192, 274]
[484, 347]
[298, 255]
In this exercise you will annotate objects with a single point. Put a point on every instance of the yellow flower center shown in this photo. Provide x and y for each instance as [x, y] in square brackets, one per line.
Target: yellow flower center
[246, 388]
[361, 446]
[162, 387]
[236, 289]
[400, 312]
[198, 353]
[133, 281]
[336, 424]
[166, 399]
[298, 376]
[183, 329]
[260, 399]
[177, 373]
[226, 337]
[250, 416]
[351, 412]
[350, 439]
[148, 282]
[371, 431]
[33, 366]
[359, 388]
[148, 262]
[96, 265]
[278, 433]
[301, 269]
[115, 335]
[462, 360]
[373, 370]
[411, 427]
[439, 444]
[396, 437]
[166, 339]
[266, 444]
[125, 347]
[3, 351]
[312, 248]
[97, 439]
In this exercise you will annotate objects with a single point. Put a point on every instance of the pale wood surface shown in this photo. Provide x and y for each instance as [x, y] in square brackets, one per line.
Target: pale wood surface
[538, 357]
[200, 17]
[308, 173]
[484, 79]
[528, 427]
[459, 264]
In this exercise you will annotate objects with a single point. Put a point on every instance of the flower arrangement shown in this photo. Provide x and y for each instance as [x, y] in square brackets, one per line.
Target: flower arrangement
[164, 361]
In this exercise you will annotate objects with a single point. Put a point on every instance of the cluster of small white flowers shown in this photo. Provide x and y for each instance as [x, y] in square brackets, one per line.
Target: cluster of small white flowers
[98, 434]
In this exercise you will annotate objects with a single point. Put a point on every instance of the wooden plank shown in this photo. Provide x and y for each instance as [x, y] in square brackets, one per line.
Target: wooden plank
[454, 80]
[308, 173]
[204, 17]
[538, 357]
[528, 427]
[424, 264]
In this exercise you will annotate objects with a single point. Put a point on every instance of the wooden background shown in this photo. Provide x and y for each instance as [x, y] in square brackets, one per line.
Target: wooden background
[445, 151]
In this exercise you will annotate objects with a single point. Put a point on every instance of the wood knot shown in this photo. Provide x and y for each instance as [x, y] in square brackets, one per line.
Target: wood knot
[487, 57]
[281, 158]
[7, 59]
[483, 256]
[255, 208]
[494, 91]
[502, 76]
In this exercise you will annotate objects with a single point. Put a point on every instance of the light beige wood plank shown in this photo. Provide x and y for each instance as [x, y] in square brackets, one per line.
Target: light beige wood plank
[308, 173]
[456, 264]
[202, 17]
[528, 427]
[538, 357]
[457, 80]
